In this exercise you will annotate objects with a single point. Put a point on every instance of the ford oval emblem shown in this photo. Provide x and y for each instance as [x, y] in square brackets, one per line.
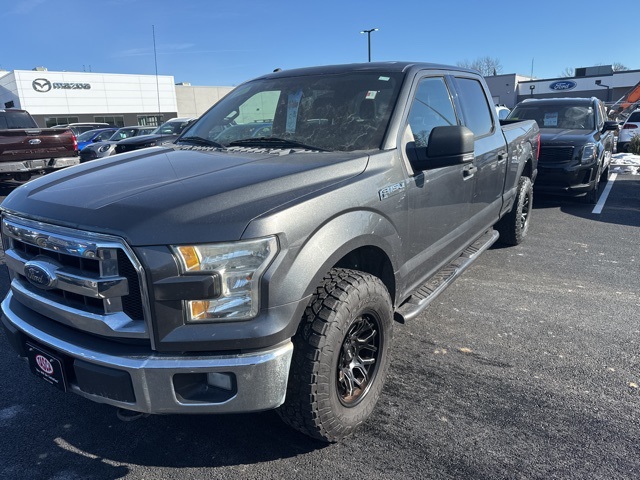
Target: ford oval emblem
[40, 274]
[563, 85]
[35, 141]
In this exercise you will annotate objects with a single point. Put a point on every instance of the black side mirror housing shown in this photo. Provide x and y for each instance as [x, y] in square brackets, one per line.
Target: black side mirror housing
[447, 146]
[609, 125]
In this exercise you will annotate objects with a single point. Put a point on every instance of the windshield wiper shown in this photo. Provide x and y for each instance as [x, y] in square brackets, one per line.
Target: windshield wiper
[200, 141]
[273, 142]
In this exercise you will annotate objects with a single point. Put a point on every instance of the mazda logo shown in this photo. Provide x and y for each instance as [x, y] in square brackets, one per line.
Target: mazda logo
[41, 85]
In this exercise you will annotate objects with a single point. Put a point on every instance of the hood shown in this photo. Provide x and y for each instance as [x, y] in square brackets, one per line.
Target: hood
[562, 136]
[163, 195]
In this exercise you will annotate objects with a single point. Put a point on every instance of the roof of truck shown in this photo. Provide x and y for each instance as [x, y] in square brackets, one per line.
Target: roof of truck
[364, 67]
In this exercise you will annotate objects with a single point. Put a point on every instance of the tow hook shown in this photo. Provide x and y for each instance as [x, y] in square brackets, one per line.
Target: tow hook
[129, 415]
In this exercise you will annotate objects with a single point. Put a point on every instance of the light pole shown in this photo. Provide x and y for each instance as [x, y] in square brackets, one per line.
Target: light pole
[368, 32]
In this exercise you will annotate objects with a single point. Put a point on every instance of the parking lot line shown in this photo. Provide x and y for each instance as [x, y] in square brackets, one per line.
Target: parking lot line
[603, 198]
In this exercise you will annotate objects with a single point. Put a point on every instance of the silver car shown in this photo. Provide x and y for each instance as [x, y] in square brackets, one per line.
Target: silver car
[106, 148]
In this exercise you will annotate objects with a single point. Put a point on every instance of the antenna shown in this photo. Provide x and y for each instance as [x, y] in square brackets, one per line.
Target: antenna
[155, 59]
[531, 77]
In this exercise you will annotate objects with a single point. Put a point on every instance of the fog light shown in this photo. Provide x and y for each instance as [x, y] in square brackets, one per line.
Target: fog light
[220, 380]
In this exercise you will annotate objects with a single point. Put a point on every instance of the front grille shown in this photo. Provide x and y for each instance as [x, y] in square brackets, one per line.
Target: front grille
[87, 281]
[554, 155]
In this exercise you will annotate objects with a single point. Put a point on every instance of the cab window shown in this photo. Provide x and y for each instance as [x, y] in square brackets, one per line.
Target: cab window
[431, 107]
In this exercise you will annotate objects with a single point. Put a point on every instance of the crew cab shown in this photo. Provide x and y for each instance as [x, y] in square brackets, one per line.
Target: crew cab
[576, 144]
[241, 273]
[26, 149]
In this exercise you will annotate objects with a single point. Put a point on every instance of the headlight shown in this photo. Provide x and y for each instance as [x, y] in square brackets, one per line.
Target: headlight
[239, 265]
[104, 148]
[589, 152]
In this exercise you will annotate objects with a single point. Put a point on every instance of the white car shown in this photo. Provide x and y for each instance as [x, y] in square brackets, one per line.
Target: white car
[502, 111]
[630, 128]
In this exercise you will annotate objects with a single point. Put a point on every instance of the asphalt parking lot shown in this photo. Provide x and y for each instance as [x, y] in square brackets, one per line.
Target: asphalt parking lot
[528, 367]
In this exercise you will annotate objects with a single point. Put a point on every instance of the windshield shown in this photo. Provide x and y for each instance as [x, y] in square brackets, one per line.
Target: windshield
[573, 117]
[327, 112]
[123, 133]
[172, 127]
[87, 136]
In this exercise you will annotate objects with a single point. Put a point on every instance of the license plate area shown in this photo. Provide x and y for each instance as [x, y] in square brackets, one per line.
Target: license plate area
[47, 366]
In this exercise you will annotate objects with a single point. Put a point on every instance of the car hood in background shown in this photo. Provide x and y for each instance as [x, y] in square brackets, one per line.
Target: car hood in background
[563, 136]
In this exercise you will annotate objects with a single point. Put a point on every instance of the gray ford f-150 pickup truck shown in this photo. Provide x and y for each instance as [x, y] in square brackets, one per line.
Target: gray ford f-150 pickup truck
[266, 271]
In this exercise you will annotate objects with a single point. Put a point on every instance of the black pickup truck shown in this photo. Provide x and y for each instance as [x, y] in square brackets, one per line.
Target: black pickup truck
[266, 271]
[576, 144]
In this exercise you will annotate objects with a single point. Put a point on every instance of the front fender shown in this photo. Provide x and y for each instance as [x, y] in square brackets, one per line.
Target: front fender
[303, 266]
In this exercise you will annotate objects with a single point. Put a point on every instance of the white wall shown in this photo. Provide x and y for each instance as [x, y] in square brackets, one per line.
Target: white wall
[106, 93]
[194, 101]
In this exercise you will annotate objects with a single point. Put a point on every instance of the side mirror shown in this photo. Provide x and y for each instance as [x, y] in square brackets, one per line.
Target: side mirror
[447, 146]
[609, 125]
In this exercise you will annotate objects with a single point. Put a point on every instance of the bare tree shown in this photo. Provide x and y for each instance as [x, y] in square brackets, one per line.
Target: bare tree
[619, 67]
[487, 66]
[568, 72]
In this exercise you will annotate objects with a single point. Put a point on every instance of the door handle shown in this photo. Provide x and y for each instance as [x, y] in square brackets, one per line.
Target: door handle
[469, 171]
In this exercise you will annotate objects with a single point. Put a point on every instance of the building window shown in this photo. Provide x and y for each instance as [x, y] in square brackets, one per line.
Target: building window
[116, 121]
[53, 121]
[150, 120]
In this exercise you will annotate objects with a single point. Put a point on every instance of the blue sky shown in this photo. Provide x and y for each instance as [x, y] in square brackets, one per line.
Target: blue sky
[210, 42]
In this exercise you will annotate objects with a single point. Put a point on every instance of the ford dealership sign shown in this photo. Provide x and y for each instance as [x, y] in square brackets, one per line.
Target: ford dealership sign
[563, 85]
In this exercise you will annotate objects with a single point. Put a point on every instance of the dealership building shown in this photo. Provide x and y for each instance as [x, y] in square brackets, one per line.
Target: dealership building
[56, 98]
[599, 81]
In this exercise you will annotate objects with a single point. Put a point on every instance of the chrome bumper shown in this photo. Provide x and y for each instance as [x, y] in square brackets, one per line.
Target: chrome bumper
[259, 378]
[38, 165]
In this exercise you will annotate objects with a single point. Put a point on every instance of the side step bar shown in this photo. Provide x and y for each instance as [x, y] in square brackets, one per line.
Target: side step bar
[424, 295]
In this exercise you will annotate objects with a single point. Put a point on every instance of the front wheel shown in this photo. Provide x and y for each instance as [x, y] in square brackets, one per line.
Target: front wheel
[340, 356]
[592, 195]
[514, 226]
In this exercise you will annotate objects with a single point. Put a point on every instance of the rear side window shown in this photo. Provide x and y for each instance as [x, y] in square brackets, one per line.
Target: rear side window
[477, 113]
[431, 107]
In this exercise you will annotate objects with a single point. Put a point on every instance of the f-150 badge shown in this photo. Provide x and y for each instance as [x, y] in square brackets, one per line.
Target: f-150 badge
[391, 190]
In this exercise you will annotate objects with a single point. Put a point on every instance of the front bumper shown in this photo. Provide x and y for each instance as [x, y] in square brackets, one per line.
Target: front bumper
[565, 179]
[134, 378]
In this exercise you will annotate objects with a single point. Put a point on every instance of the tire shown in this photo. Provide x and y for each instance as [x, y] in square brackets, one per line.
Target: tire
[592, 195]
[514, 226]
[340, 356]
[606, 174]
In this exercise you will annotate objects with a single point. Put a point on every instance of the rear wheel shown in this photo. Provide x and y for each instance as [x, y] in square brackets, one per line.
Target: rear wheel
[513, 227]
[340, 357]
